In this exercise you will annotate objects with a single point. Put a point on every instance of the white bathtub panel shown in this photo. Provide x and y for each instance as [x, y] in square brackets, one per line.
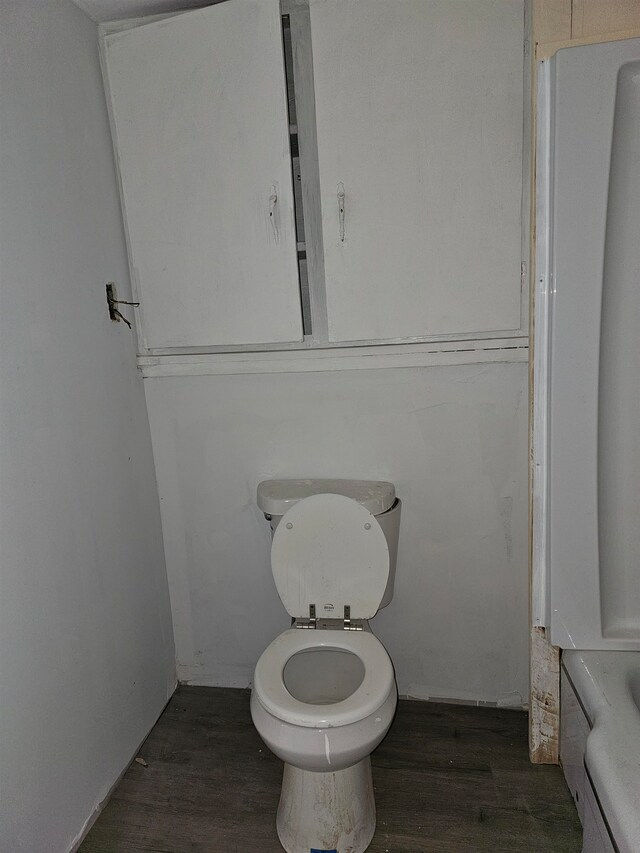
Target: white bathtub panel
[595, 837]
[583, 84]
[574, 730]
[608, 684]
[619, 397]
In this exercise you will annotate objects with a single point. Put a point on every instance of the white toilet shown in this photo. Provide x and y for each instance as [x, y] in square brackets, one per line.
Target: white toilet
[324, 691]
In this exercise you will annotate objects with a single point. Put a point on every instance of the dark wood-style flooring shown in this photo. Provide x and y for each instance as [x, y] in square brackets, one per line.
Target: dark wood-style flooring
[448, 779]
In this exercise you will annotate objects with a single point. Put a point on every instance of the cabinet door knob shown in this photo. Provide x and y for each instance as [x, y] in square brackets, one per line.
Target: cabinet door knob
[341, 210]
[273, 200]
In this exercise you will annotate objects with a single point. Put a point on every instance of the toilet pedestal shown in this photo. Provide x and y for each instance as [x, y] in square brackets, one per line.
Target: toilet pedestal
[327, 811]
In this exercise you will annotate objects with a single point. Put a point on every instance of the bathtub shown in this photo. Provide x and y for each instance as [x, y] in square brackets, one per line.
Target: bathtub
[600, 745]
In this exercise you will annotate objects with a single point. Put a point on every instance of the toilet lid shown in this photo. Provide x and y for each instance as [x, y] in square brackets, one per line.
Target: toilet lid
[330, 551]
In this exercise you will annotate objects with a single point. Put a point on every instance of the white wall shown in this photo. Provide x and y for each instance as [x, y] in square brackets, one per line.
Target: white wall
[453, 439]
[86, 648]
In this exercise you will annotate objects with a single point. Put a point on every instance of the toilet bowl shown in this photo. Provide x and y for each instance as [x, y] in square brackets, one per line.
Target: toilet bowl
[323, 700]
[324, 692]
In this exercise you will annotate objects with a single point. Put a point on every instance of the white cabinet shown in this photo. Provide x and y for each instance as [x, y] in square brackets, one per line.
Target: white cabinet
[419, 108]
[199, 115]
[410, 120]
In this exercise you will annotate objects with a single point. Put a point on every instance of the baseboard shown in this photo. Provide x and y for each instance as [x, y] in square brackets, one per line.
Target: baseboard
[475, 703]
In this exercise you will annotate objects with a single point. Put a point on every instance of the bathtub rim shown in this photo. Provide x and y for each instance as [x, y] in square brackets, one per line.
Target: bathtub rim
[601, 680]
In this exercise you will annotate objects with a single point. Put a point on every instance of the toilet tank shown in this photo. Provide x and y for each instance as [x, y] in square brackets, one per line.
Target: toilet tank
[275, 497]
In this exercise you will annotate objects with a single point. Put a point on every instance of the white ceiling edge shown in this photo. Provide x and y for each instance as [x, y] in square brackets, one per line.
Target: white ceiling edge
[102, 11]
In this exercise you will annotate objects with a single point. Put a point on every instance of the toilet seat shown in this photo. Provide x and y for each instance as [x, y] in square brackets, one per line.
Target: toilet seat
[376, 685]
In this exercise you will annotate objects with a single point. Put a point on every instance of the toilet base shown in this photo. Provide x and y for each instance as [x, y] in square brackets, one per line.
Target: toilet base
[327, 811]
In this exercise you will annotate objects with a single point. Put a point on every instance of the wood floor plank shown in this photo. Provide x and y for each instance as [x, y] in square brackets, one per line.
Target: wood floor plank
[447, 778]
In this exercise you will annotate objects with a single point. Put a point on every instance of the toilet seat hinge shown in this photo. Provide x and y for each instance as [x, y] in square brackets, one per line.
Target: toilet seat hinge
[309, 622]
[350, 624]
[345, 624]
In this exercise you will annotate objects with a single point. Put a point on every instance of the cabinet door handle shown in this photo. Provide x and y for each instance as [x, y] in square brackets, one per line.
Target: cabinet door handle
[341, 210]
[273, 200]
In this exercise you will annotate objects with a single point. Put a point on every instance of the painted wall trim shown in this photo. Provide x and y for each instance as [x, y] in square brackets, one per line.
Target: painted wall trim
[543, 287]
[544, 659]
[351, 358]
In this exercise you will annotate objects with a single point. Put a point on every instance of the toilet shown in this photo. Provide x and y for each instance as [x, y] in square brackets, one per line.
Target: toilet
[324, 691]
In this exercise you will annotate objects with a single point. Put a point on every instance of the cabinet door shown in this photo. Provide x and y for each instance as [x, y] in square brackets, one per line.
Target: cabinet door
[199, 114]
[419, 107]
